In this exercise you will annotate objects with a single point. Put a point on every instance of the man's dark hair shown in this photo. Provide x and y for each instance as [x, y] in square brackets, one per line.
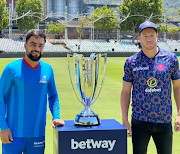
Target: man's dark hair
[35, 32]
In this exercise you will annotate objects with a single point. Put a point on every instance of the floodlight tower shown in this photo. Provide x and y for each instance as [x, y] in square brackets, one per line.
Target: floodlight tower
[66, 30]
[10, 18]
[117, 12]
[179, 31]
[45, 13]
[45, 7]
[92, 25]
[164, 18]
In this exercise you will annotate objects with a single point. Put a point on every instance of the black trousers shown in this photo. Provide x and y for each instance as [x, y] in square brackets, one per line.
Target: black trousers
[160, 132]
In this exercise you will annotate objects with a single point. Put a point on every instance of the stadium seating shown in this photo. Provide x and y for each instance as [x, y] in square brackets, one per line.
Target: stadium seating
[15, 46]
[170, 45]
[11, 46]
[100, 46]
[175, 46]
[54, 48]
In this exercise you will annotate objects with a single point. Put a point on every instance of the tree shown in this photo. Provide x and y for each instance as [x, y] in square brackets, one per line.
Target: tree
[163, 28]
[108, 21]
[140, 10]
[84, 23]
[174, 30]
[29, 21]
[179, 11]
[4, 15]
[55, 28]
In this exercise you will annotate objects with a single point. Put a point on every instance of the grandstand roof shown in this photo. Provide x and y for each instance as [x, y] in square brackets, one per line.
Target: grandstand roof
[104, 2]
[170, 25]
[72, 23]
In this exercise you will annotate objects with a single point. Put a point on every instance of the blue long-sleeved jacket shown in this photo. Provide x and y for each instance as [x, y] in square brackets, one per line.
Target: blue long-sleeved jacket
[23, 98]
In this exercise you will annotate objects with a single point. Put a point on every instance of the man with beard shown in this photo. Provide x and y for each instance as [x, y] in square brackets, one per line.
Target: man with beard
[24, 86]
[149, 74]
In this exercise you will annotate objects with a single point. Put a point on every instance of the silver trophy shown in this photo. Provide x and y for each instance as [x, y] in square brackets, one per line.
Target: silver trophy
[87, 76]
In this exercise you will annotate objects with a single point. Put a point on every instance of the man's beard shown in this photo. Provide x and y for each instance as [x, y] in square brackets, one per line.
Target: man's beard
[34, 58]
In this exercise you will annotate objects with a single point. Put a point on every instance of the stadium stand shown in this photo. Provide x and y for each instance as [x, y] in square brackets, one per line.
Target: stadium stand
[9, 45]
[114, 48]
[170, 45]
[49, 47]
[175, 46]
[164, 45]
[16, 46]
[100, 46]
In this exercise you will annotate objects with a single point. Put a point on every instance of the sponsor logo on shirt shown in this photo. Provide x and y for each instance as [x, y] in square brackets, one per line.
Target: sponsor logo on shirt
[160, 67]
[39, 144]
[43, 80]
[141, 68]
[152, 83]
[151, 90]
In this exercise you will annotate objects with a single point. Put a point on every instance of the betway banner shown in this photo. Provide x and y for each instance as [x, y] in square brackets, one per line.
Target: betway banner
[108, 138]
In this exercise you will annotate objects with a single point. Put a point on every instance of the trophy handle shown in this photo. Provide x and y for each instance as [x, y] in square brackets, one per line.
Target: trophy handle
[97, 74]
[69, 69]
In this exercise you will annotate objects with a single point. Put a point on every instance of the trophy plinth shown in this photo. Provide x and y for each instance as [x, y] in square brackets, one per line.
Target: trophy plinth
[87, 78]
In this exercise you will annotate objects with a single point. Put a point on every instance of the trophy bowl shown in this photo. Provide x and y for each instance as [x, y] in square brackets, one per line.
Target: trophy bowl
[87, 77]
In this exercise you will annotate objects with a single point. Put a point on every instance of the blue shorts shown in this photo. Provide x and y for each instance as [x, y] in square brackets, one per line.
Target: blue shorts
[25, 145]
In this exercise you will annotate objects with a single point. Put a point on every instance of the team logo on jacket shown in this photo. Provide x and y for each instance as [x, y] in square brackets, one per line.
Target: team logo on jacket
[43, 80]
[152, 83]
[160, 67]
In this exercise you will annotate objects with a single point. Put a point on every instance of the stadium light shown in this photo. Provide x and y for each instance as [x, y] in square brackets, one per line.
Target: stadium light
[120, 19]
[179, 30]
[92, 25]
[14, 17]
[92, 20]
[118, 28]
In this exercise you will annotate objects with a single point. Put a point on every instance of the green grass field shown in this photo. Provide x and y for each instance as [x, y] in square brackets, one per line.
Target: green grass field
[107, 106]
